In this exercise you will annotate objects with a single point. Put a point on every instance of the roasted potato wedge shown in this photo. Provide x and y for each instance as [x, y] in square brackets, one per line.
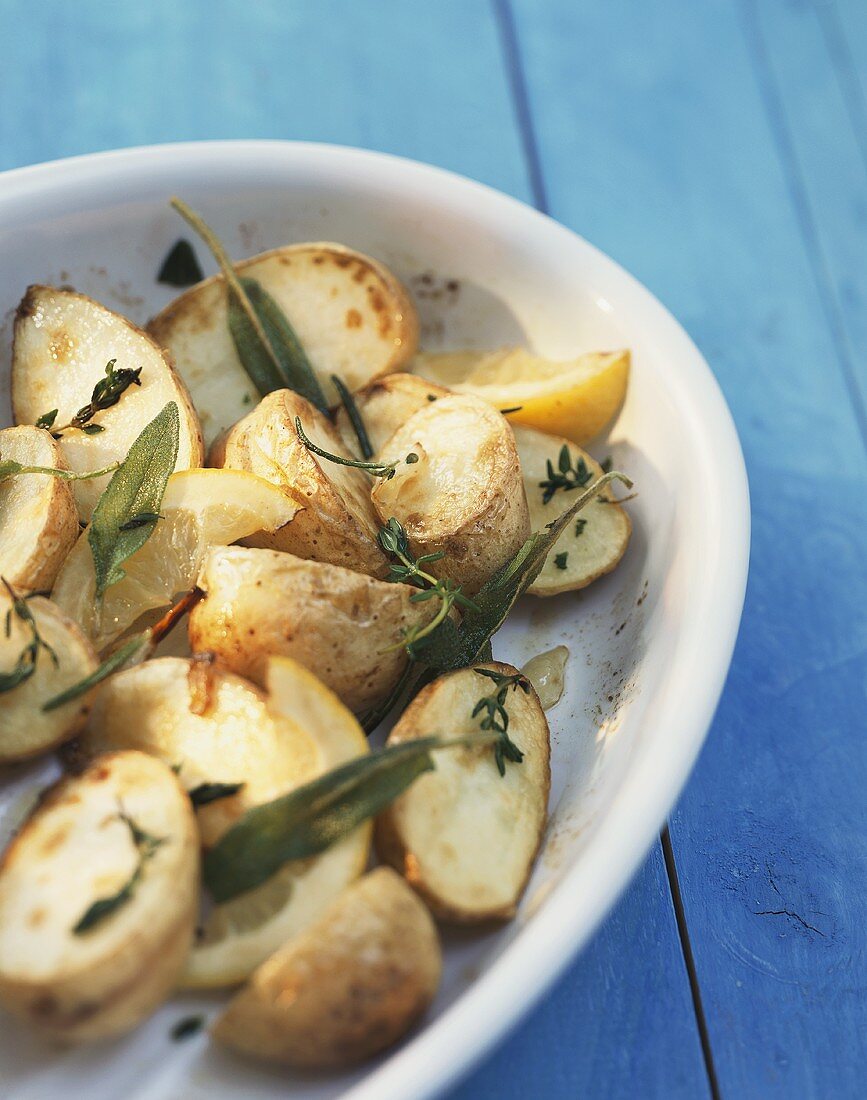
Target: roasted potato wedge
[595, 542]
[385, 404]
[464, 497]
[38, 516]
[465, 836]
[78, 848]
[348, 987]
[340, 624]
[338, 523]
[25, 730]
[353, 318]
[214, 727]
[62, 344]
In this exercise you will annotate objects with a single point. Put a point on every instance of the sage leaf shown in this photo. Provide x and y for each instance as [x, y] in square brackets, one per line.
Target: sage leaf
[111, 664]
[355, 418]
[180, 267]
[309, 819]
[137, 486]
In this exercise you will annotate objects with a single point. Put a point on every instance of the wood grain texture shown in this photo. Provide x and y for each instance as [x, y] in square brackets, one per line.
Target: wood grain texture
[699, 167]
[427, 81]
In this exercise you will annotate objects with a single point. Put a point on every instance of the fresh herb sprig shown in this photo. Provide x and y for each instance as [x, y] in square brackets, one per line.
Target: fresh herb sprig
[355, 417]
[10, 468]
[496, 716]
[404, 567]
[566, 477]
[385, 470]
[25, 666]
[146, 847]
[106, 393]
[266, 344]
[136, 488]
[312, 817]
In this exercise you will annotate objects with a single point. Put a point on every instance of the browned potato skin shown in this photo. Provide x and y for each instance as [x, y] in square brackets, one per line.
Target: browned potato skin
[385, 404]
[496, 522]
[334, 621]
[59, 530]
[336, 526]
[389, 840]
[347, 988]
[113, 998]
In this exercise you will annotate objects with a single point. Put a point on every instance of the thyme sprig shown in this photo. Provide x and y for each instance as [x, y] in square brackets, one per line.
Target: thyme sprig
[408, 569]
[11, 468]
[385, 470]
[146, 846]
[25, 666]
[106, 393]
[566, 477]
[496, 717]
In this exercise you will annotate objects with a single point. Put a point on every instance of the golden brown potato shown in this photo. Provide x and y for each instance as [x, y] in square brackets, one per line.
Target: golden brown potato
[83, 980]
[348, 987]
[338, 524]
[63, 342]
[25, 729]
[214, 727]
[465, 836]
[385, 404]
[464, 496]
[38, 516]
[340, 624]
[352, 317]
[595, 542]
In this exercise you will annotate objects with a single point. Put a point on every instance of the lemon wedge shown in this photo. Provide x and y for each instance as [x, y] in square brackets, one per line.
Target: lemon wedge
[575, 399]
[200, 509]
[238, 935]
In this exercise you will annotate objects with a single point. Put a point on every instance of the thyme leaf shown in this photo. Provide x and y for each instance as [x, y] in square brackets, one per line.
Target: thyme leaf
[566, 477]
[561, 559]
[205, 793]
[496, 717]
[27, 660]
[186, 1027]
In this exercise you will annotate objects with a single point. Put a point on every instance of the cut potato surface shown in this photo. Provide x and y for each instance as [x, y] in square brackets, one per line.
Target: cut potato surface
[63, 342]
[25, 730]
[576, 398]
[348, 987]
[464, 496]
[340, 624]
[200, 509]
[352, 317]
[77, 849]
[38, 516]
[338, 523]
[595, 541]
[240, 934]
[385, 404]
[464, 836]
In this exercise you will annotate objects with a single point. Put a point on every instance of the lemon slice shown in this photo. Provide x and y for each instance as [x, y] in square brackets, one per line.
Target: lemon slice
[200, 509]
[595, 541]
[240, 934]
[575, 399]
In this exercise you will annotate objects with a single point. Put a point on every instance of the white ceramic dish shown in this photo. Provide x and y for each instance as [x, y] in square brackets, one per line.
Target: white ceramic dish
[650, 645]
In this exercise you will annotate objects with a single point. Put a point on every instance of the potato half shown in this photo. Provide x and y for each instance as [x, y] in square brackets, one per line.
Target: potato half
[340, 624]
[348, 987]
[385, 404]
[25, 730]
[352, 317]
[338, 523]
[464, 836]
[465, 495]
[38, 516]
[215, 727]
[77, 849]
[595, 541]
[63, 342]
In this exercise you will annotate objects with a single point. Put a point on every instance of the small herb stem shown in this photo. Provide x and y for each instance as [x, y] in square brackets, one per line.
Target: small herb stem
[355, 419]
[377, 469]
[6, 470]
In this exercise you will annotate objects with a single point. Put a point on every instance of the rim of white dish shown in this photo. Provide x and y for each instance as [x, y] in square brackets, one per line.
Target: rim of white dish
[482, 1015]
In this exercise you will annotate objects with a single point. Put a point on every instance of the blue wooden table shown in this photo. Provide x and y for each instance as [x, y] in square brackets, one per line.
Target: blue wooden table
[718, 149]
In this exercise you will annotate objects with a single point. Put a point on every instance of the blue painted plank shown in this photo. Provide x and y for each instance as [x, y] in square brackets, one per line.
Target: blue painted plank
[426, 81]
[679, 170]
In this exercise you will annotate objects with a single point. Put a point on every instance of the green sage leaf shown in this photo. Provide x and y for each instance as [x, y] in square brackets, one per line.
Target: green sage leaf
[355, 418]
[181, 266]
[137, 486]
